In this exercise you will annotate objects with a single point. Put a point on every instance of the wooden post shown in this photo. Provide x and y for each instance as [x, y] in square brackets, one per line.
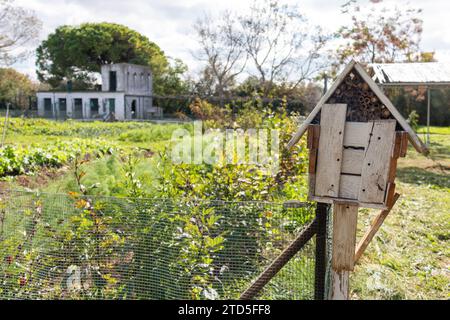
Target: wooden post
[345, 217]
[322, 210]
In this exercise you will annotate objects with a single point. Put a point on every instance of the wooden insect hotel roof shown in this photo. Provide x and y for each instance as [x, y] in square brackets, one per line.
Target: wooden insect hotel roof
[365, 102]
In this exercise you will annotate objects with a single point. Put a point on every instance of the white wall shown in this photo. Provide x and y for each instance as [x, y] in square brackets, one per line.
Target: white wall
[133, 83]
[131, 79]
[85, 96]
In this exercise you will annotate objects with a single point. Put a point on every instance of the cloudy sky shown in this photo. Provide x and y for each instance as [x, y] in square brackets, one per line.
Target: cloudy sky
[169, 22]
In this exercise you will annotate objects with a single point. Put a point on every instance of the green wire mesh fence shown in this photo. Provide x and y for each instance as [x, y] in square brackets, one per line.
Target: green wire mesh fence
[83, 247]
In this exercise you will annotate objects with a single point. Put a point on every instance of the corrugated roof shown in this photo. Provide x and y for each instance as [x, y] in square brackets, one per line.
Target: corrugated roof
[417, 73]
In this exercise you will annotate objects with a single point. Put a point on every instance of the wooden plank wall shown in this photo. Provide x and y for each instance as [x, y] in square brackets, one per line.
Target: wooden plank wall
[329, 158]
[377, 157]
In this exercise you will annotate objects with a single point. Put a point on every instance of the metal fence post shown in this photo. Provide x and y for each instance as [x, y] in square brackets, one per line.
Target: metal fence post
[321, 250]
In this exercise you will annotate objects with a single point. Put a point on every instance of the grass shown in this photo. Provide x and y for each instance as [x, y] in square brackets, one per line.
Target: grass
[434, 130]
[410, 258]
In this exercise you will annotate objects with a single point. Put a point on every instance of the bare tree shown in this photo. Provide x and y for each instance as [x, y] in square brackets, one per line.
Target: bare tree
[18, 28]
[222, 50]
[281, 44]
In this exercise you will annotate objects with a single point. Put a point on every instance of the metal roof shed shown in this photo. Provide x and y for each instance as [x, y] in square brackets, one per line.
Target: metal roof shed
[429, 74]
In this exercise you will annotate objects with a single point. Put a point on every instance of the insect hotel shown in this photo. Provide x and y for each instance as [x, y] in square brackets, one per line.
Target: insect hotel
[355, 136]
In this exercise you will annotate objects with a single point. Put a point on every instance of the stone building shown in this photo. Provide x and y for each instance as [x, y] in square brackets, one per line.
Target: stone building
[126, 94]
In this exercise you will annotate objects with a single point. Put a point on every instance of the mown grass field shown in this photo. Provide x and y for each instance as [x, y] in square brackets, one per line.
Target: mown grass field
[410, 256]
[408, 259]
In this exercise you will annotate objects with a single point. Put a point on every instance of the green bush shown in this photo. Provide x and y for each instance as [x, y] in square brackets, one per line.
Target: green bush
[413, 120]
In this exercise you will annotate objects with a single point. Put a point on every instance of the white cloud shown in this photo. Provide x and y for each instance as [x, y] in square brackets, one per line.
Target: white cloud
[169, 23]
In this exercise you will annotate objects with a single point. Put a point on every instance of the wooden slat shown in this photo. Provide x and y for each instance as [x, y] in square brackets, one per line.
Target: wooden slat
[313, 142]
[349, 186]
[309, 137]
[352, 161]
[390, 193]
[312, 186]
[375, 226]
[404, 144]
[356, 134]
[301, 130]
[345, 218]
[329, 158]
[397, 145]
[377, 158]
[313, 136]
[394, 158]
[392, 170]
[379, 206]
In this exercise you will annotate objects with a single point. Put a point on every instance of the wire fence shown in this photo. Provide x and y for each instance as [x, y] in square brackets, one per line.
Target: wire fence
[78, 247]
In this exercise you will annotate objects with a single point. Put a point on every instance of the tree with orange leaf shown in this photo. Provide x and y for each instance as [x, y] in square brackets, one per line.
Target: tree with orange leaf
[380, 34]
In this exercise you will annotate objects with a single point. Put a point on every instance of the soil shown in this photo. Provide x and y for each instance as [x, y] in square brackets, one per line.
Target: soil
[36, 181]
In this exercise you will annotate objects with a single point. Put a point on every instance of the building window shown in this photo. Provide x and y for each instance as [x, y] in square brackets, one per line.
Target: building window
[134, 109]
[113, 81]
[134, 81]
[48, 108]
[112, 105]
[62, 108]
[94, 106]
[78, 108]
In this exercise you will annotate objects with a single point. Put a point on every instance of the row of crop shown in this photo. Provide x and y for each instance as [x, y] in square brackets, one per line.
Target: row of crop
[16, 160]
[70, 128]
